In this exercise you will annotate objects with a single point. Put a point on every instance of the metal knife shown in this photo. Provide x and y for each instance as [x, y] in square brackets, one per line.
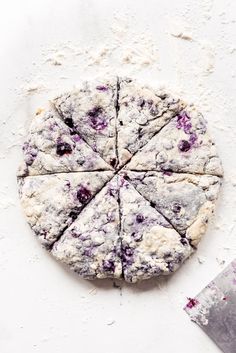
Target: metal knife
[214, 309]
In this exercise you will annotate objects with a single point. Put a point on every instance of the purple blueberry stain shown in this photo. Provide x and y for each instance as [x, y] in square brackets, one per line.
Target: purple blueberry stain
[67, 185]
[74, 233]
[184, 146]
[108, 265]
[69, 122]
[123, 180]
[127, 251]
[76, 138]
[178, 258]
[154, 110]
[74, 213]
[102, 88]
[150, 102]
[113, 162]
[41, 232]
[127, 255]
[84, 236]
[88, 252]
[170, 266]
[112, 192]
[153, 204]
[137, 236]
[140, 132]
[183, 241]
[98, 123]
[193, 138]
[63, 148]
[145, 268]
[83, 194]
[29, 159]
[30, 154]
[53, 126]
[97, 120]
[183, 122]
[25, 146]
[141, 102]
[139, 218]
[167, 172]
[192, 302]
[176, 207]
[96, 111]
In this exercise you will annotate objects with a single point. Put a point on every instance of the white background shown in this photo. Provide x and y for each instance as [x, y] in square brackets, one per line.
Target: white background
[43, 307]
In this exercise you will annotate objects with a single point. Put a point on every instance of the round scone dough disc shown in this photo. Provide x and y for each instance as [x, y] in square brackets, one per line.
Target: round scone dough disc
[119, 180]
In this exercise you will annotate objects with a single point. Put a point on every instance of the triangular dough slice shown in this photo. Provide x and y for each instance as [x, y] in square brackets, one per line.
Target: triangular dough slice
[183, 145]
[91, 111]
[186, 201]
[52, 202]
[52, 148]
[91, 246]
[142, 113]
[150, 245]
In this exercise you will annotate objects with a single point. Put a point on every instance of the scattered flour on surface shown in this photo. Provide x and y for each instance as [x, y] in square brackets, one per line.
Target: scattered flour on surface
[181, 35]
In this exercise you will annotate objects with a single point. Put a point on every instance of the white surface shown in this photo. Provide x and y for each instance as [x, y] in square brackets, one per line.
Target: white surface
[43, 307]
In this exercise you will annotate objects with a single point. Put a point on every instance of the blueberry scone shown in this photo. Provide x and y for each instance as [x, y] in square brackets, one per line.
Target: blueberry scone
[187, 201]
[91, 111]
[142, 113]
[52, 147]
[150, 245]
[52, 202]
[91, 245]
[119, 180]
[183, 145]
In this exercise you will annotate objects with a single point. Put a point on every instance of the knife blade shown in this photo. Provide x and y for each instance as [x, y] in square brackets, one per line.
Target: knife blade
[214, 309]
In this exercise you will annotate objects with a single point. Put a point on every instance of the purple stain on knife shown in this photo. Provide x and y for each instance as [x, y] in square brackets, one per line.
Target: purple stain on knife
[192, 302]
